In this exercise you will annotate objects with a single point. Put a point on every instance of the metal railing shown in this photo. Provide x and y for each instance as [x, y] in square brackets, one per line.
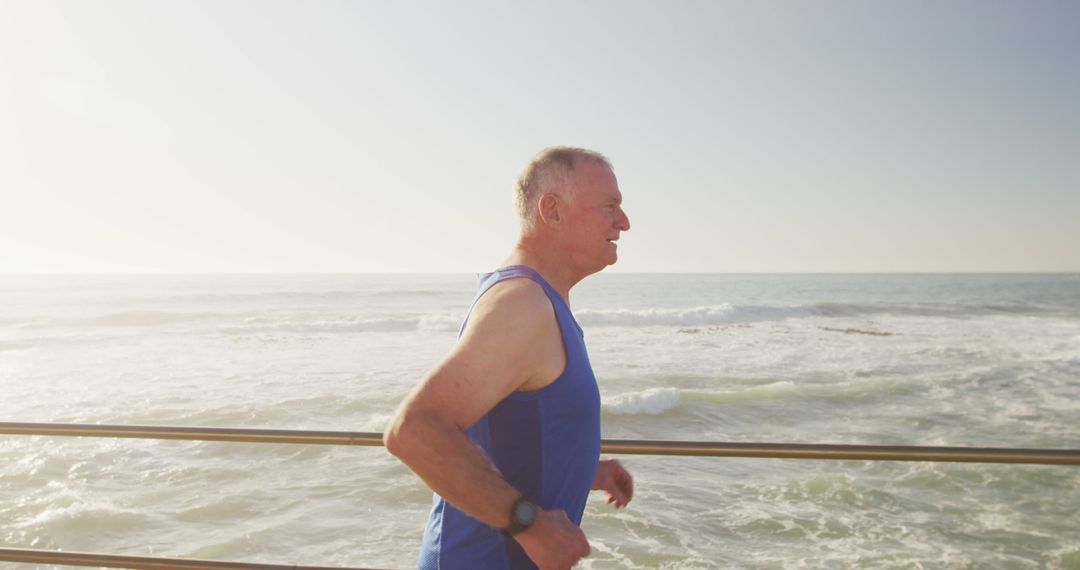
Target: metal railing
[372, 439]
[33, 556]
[616, 446]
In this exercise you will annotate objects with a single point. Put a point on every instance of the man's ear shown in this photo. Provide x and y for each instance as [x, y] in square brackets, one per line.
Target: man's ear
[549, 208]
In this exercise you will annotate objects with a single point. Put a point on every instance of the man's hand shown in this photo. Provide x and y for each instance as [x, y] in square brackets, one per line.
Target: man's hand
[613, 478]
[553, 542]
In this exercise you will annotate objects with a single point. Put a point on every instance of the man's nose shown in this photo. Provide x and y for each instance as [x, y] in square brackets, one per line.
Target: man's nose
[623, 221]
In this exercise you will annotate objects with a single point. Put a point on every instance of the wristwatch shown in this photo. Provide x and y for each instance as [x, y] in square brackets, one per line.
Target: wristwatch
[522, 515]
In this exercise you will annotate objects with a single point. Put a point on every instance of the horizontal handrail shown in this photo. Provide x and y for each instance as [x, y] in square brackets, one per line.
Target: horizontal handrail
[615, 446]
[243, 435]
[846, 452]
[34, 556]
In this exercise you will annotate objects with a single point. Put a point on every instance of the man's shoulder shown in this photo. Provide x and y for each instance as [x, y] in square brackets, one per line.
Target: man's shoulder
[514, 322]
[520, 301]
[517, 294]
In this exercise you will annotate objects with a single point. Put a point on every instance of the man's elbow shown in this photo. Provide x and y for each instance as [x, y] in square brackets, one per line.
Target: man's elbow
[405, 433]
[413, 432]
[394, 436]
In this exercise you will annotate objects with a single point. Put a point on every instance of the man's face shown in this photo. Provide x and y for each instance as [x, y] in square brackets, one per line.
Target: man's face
[595, 217]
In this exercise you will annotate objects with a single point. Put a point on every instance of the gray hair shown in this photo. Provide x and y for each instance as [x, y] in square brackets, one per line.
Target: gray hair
[547, 170]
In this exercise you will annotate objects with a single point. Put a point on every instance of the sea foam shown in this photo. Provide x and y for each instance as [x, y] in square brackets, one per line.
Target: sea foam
[652, 401]
[727, 313]
[343, 324]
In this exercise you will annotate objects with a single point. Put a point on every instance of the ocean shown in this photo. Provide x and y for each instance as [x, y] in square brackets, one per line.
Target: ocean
[908, 359]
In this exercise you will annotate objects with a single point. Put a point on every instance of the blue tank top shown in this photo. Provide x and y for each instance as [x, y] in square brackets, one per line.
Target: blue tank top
[546, 444]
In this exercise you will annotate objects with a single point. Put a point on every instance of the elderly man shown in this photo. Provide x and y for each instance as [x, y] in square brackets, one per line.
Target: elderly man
[506, 428]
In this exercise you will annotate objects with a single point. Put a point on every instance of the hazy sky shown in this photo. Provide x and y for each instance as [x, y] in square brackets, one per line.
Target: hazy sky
[385, 136]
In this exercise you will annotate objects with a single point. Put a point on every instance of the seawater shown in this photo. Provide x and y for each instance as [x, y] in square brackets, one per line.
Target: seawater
[968, 360]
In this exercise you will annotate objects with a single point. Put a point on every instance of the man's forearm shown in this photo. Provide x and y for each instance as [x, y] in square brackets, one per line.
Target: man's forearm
[454, 467]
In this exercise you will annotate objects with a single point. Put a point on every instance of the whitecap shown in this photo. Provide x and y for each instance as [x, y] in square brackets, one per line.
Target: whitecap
[725, 313]
[652, 401]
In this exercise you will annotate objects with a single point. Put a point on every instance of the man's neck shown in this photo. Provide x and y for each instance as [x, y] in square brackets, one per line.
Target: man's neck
[558, 274]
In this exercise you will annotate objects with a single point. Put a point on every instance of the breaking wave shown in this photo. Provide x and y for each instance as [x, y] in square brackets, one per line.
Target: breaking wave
[391, 323]
[734, 314]
[653, 401]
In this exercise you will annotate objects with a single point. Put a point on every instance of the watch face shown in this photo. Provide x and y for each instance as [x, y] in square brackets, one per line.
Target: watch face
[524, 513]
